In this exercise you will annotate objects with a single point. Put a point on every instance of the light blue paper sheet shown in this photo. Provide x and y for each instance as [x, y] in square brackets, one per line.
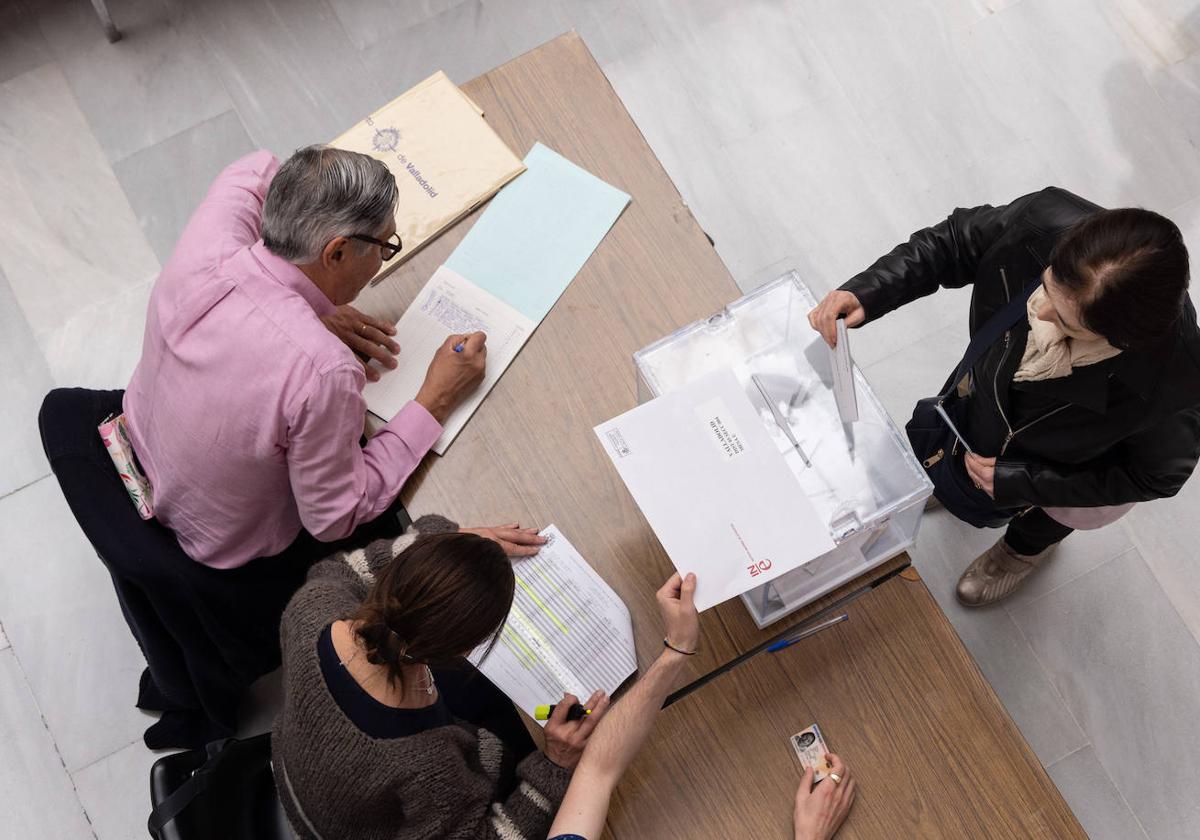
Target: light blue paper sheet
[538, 232]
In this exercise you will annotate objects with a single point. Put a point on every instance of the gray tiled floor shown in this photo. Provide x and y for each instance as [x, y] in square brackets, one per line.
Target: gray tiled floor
[1102, 810]
[188, 162]
[812, 134]
[158, 82]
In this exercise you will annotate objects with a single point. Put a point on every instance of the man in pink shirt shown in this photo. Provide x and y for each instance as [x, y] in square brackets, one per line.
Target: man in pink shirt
[246, 408]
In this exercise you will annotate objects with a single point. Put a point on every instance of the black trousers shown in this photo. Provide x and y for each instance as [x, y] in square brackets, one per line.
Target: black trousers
[1034, 532]
[206, 633]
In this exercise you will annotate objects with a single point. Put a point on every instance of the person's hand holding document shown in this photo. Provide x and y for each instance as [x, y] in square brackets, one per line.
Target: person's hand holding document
[715, 487]
[837, 304]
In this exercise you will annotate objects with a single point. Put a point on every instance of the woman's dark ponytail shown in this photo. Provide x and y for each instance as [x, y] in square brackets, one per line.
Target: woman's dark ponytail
[439, 599]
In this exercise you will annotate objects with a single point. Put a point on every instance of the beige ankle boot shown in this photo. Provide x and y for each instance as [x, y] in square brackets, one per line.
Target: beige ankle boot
[995, 574]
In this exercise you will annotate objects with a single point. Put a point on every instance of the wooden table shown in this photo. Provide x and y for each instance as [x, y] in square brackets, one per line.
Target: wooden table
[893, 689]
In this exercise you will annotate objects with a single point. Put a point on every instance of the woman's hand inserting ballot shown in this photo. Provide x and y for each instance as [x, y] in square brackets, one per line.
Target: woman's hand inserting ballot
[836, 304]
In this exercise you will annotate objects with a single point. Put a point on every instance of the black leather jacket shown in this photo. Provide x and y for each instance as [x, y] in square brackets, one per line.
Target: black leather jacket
[1123, 430]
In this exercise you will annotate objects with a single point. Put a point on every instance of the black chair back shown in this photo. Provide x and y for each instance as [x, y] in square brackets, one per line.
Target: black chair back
[226, 790]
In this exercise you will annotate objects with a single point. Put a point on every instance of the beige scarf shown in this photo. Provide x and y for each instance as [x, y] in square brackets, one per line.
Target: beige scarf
[1050, 354]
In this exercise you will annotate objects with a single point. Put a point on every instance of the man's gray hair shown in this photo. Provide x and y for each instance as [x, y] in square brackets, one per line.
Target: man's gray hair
[320, 193]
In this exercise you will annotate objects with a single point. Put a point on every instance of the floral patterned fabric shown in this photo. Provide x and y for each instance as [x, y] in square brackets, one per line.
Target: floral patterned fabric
[116, 441]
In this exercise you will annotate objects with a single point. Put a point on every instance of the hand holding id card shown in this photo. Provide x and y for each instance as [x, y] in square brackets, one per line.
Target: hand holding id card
[810, 748]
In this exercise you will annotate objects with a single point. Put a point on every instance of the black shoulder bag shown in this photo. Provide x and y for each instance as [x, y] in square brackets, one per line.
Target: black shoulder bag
[228, 793]
[934, 443]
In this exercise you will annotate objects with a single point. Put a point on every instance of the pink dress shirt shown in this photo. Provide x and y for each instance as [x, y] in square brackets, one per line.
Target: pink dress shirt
[245, 411]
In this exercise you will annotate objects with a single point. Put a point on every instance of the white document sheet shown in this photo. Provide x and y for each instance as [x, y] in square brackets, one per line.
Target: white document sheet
[448, 304]
[715, 488]
[843, 376]
[567, 631]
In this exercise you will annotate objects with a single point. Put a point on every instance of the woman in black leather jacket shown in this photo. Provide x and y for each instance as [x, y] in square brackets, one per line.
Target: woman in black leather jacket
[1093, 400]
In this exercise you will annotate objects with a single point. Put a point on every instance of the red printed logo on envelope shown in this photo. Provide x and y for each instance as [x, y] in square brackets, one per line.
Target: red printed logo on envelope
[755, 569]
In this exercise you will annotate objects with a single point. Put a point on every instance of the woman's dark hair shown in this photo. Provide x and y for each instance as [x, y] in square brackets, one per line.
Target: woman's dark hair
[442, 596]
[1128, 271]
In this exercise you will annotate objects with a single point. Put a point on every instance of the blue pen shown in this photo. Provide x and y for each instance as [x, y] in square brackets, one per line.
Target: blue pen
[827, 623]
[458, 347]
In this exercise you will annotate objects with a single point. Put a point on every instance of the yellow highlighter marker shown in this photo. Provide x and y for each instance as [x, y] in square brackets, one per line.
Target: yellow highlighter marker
[574, 713]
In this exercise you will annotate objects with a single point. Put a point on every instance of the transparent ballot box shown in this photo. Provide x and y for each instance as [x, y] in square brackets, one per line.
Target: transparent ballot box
[861, 477]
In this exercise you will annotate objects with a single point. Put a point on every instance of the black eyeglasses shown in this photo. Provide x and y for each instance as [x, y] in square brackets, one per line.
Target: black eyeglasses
[389, 248]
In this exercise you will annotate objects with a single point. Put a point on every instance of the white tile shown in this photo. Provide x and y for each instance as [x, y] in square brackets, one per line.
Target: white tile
[99, 346]
[83, 667]
[743, 65]
[809, 184]
[36, 795]
[879, 50]
[71, 239]
[464, 41]
[368, 21]
[26, 380]
[998, 180]
[610, 28]
[651, 88]
[1100, 123]
[47, 563]
[944, 548]
[155, 82]
[1166, 532]
[899, 379]
[1129, 671]
[1075, 556]
[189, 161]
[115, 792]
[62, 619]
[1097, 804]
[1187, 216]
[291, 71]
[523, 25]
[1178, 85]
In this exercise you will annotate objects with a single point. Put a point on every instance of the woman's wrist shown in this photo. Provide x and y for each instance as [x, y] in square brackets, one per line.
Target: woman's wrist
[682, 648]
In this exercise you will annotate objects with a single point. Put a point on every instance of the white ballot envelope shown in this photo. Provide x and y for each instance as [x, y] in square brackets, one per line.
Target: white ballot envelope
[566, 631]
[843, 376]
[715, 488]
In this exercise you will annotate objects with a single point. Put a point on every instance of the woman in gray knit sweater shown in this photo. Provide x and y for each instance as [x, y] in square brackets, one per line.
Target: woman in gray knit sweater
[372, 740]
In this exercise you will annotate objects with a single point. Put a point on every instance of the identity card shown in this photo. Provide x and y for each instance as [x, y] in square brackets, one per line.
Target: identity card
[810, 749]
